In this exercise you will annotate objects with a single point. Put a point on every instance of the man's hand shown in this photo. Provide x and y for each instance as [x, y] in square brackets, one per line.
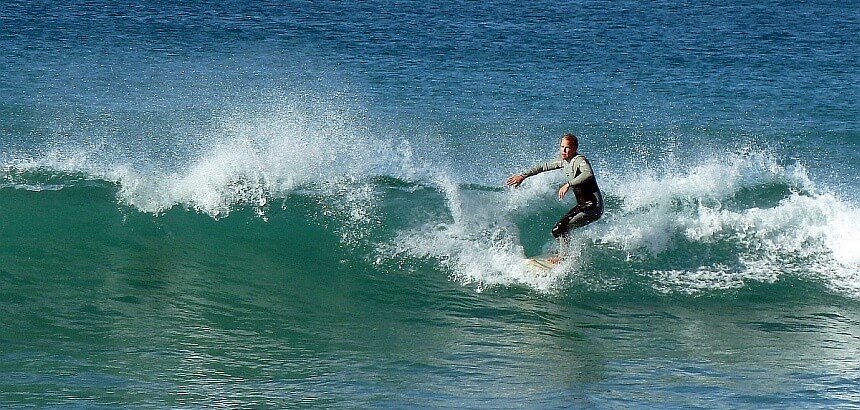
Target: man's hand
[563, 191]
[515, 180]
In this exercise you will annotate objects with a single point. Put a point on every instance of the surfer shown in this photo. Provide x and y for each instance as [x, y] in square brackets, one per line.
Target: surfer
[580, 178]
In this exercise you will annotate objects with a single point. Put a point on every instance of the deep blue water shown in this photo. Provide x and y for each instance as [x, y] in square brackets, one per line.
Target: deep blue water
[302, 204]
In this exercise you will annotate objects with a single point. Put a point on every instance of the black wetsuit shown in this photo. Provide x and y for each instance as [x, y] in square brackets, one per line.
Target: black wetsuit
[589, 199]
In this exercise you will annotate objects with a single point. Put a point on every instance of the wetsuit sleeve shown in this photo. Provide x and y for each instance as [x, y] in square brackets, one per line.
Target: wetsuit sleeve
[546, 166]
[584, 171]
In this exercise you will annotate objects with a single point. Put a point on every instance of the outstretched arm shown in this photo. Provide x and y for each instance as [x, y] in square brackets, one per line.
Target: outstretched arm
[516, 180]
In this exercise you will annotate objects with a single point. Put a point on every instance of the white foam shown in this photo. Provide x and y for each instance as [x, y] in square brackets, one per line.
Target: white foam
[482, 261]
[810, 236]
[704, 279]
[808, 233]
[711, 178]
[479, 247]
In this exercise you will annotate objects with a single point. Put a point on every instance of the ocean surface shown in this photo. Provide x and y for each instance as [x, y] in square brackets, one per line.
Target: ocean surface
[244, 204]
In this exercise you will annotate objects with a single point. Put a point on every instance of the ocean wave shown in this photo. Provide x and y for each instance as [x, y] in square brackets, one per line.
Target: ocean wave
[716, 225]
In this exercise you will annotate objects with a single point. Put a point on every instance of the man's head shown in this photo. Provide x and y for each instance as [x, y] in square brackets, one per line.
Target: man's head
[568, 147]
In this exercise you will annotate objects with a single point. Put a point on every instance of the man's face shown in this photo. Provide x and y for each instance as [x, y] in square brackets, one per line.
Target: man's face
[566, 149]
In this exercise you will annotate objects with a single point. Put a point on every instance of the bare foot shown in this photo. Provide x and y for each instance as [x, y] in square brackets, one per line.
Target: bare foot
[555, 260]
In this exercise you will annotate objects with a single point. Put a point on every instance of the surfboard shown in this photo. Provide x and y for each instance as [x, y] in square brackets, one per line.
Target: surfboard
[540, 263]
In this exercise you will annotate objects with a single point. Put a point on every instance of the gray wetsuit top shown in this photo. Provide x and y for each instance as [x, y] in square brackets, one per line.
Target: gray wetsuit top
[579, 175]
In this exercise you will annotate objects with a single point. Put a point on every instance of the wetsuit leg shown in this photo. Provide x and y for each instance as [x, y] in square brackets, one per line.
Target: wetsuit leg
[578, 216]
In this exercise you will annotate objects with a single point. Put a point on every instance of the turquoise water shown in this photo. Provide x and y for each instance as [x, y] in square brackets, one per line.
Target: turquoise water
[303, 205]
